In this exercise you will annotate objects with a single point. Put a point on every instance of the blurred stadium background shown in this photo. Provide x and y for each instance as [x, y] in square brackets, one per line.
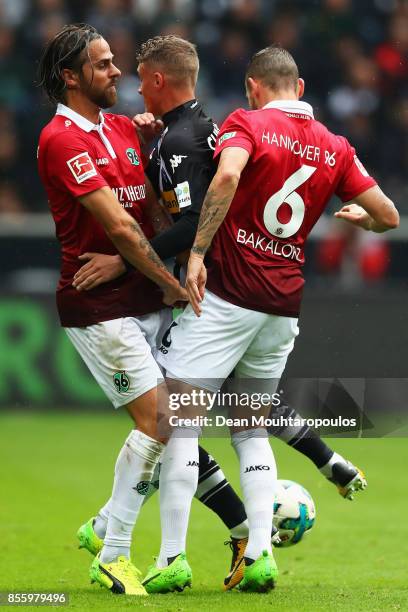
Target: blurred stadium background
[353, 55]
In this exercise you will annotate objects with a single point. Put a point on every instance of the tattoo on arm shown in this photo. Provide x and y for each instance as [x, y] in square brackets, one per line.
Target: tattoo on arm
[144, 245]
[215, 207]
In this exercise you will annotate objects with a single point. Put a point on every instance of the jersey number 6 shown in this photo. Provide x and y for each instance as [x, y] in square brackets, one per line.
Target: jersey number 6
[288, 195]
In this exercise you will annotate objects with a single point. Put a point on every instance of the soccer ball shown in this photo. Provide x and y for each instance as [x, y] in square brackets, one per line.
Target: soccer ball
[294, 512]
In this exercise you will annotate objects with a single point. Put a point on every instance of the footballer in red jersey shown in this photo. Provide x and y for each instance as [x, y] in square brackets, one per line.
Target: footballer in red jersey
[277, 170]
[76, 157]
[295, 166]
[90, 166]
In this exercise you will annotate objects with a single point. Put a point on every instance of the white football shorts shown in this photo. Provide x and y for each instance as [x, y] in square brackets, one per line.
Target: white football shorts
[204, 351]
[121, 353]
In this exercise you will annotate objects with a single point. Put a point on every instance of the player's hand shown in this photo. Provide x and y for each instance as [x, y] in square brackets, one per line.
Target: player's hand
[147, 126]
[98, 269]
[175, 295]
[195, 282]
[356, 215]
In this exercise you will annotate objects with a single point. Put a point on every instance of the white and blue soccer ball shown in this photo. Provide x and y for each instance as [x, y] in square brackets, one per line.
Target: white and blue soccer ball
[294, 512]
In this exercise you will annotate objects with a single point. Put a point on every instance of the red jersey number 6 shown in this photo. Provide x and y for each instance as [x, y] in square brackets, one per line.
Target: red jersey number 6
[288, 195]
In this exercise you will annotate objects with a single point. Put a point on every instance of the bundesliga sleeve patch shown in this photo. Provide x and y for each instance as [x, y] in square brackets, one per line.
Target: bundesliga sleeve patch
[226, 136]
[81, 167]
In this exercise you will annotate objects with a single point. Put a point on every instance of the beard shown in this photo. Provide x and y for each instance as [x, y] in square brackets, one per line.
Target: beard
[103, 99]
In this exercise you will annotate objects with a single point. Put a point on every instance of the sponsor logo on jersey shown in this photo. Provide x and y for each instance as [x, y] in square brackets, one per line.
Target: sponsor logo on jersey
[182, 191]
[102, 161]
[82, 167]
[176, 160]
[129, 194]
[226, 136]
[142, 487]
[170, 201]
[132, 156]
[121, 382]
[256, 468]
[192, 464]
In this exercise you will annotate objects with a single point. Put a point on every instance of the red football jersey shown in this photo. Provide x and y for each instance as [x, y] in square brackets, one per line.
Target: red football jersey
[295, 167]
[74, 158]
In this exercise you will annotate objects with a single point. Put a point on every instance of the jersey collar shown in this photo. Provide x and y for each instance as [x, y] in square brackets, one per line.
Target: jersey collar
[87, 125]
[78, 119]
[292, 106]
[175, 113]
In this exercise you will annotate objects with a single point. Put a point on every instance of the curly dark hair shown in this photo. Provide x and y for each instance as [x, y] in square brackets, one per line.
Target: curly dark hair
[68, 49]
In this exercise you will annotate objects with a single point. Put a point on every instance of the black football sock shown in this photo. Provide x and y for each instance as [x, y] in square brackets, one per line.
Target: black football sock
[215, 492]
[300, 437]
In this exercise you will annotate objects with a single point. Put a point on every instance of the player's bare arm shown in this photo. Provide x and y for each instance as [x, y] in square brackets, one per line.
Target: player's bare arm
[130, 241]
[102, 268]
[372, 210]
[215, 207]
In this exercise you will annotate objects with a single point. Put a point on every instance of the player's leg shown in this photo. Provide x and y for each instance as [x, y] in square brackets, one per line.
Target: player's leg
[305, 440]
[92, 533]
[216, 492]
[194, 358]
[121, 361]
[259, 371]
[213, 489]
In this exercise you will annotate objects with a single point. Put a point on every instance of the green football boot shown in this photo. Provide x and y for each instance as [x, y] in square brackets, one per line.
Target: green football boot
[175, 577]
[120, 576]
[88, 538]
[261, 575]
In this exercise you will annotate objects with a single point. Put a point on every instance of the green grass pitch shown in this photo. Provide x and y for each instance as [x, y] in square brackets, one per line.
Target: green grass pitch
[56, 471]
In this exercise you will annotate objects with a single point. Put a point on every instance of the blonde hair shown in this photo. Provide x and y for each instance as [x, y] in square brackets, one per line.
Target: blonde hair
[177, 57]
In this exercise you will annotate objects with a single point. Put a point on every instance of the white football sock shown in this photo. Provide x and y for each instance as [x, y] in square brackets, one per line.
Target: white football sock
[258, 484]
[178, 483]
[240, 531]
[101, 519]
[133, 473]
[326, 470]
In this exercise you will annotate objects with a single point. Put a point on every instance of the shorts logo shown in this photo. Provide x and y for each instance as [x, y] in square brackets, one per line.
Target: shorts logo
[81, 167]
[121, 382]
[142, 487]
[226, 136]
[132, 156]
